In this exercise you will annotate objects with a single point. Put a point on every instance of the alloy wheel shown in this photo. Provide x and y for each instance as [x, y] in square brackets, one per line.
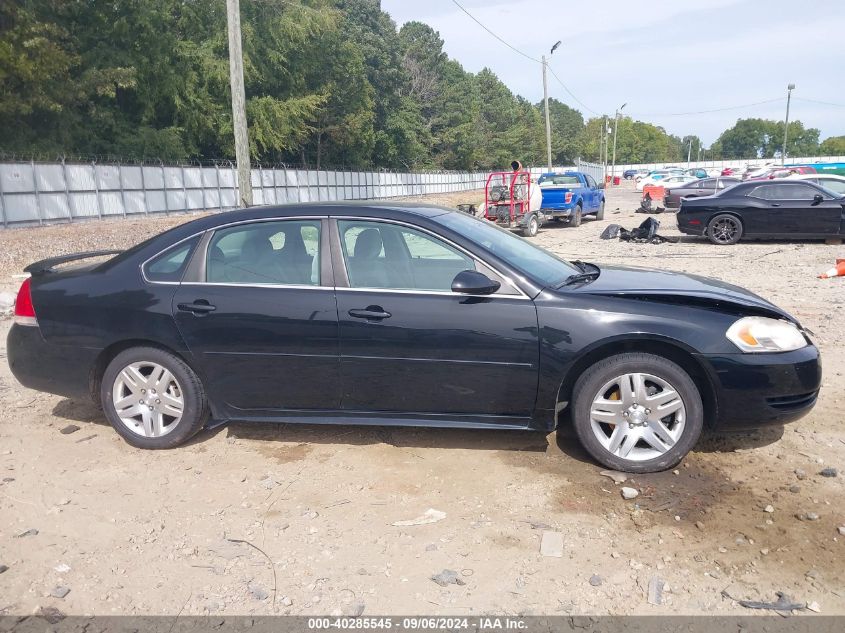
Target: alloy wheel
[638, 416]
[148, 399]
[725, 230]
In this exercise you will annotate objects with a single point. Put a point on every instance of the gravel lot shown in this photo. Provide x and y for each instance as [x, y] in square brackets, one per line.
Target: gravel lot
[134, 532]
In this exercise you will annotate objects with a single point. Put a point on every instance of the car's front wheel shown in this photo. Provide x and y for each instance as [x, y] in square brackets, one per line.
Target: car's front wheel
[637, 412]
[153, 398]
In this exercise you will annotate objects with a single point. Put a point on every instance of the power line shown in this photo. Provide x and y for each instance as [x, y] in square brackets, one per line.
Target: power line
[571, 94]
[526, 55]
[736, 107]
[513, 48]
[829, 103]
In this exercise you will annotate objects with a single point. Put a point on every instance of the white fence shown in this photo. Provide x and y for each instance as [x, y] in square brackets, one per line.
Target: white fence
[721, 164]
[36, 193]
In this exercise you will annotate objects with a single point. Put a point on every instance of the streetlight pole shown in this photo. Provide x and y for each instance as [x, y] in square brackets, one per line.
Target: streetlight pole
[615, 131]
[789, 90]
[689, 153]
[546, 107]
[236, 79]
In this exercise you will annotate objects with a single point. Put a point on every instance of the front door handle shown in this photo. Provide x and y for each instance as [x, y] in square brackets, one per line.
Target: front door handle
[199, 307]
[374, 313]
[775, 204]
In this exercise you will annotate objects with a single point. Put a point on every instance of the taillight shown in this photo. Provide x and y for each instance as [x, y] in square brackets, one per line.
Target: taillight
[24, 310]
[568, 197]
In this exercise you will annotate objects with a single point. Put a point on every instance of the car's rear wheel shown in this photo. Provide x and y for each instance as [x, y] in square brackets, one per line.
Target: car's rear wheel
[637, 412]
[724, 229]
[575, 218]
[153, 398]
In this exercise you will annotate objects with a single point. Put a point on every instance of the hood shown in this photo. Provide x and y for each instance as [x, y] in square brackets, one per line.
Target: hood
[672, 287]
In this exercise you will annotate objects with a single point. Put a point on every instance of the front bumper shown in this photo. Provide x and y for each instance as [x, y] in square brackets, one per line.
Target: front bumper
[754, 390]
[43, 366]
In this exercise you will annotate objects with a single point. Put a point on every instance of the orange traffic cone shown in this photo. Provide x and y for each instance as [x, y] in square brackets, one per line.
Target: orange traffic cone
[836, 271]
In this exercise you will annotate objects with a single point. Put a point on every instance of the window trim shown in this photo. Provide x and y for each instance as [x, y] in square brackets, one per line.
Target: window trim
[342, 275]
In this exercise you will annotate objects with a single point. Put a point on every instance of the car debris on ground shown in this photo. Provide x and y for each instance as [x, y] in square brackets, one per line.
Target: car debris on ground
[447, 577]
[783, 604]
[645, 233]
[429, 516]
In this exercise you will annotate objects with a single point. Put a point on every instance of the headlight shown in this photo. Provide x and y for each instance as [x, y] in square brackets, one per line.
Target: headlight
[760, 334]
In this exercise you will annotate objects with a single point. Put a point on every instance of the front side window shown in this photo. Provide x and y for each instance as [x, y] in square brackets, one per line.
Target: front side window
[590, 182]
[171, 264]
[831, 184]
[384, 255]
[285, 252]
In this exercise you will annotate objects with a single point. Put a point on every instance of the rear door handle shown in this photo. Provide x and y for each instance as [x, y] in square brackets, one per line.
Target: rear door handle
[198, 307]
[375, 313]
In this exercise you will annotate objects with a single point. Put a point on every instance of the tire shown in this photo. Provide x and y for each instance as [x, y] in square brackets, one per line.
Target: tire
[600, 212]
[575, 218]
[724, 229]
[677, 432]
[153, 423]
[532, 226]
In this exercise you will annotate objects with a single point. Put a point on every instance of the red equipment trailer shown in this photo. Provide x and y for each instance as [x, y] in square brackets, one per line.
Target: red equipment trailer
[507, 196]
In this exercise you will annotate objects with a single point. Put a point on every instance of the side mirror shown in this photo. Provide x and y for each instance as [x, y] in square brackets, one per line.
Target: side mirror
[472, 282]
[601, 185]
[818, 198]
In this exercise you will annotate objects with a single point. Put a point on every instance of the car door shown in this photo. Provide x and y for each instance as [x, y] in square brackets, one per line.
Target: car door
[593, 192]
[794, 211]
[699, 188]
[260, 316]
[409, 345]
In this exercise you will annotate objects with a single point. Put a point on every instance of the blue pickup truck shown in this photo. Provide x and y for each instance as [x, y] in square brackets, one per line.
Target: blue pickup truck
[571, 195]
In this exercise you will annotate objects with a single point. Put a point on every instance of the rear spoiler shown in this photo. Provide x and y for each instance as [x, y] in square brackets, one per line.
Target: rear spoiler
[46, 265]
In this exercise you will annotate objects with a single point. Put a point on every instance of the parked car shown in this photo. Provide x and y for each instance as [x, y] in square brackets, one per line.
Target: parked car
[696, 172]
[696, 189]
[733, 172]
[659, 174]
[630, 174]
[404, 314]
[830, 182]
[665, 181]
[570, 196]
[764, 209]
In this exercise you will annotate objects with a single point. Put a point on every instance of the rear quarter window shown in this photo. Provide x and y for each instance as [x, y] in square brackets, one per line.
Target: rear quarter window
[170, 265]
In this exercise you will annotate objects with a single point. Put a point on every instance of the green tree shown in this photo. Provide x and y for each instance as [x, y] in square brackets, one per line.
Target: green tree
[833, 146]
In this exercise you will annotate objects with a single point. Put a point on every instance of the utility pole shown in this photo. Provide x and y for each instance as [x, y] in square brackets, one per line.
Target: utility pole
[605, 126]
[615, 131]
[546, 106]
[236, 80]
[689, 153]
[789, 90]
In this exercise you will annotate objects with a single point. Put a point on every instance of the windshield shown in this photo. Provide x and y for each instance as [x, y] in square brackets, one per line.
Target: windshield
[558, 179]
[519, 254]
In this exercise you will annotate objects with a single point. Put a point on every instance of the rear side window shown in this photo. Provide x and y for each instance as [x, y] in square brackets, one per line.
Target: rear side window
[285, 252]
[171, 264]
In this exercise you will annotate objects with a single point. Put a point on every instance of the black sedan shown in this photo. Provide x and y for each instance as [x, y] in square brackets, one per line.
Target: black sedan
[696, 189]
[765, 210]
[390, 314]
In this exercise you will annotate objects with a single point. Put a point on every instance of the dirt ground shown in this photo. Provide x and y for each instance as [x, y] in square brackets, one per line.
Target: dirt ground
[135, 532]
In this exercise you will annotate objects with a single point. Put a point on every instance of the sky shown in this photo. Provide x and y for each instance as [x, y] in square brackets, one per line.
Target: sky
[661, 57]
